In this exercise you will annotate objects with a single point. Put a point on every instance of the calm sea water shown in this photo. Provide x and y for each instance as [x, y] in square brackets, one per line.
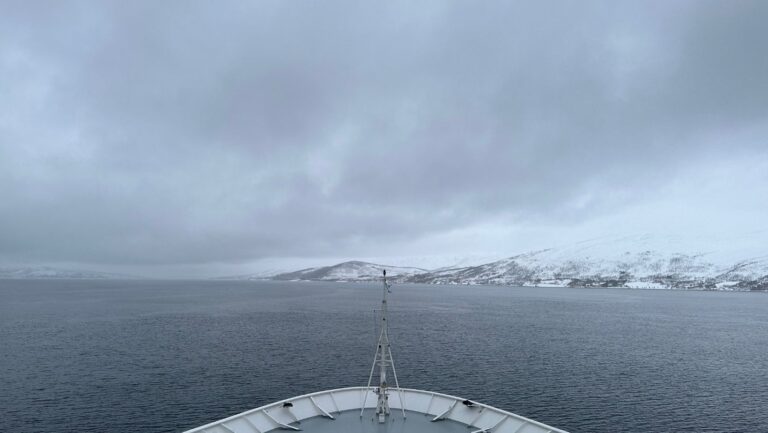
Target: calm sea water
[163, 356]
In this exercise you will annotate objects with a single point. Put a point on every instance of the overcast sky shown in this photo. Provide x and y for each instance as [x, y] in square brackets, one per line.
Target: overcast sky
[172, 138]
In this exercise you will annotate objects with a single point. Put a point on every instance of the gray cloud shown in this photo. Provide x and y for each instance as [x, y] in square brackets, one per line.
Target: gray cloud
[151, 133]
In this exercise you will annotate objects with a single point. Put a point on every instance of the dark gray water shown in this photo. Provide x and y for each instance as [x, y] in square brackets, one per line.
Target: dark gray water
[160, 356]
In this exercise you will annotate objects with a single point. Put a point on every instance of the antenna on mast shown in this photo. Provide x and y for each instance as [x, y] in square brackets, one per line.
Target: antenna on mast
[383, 358]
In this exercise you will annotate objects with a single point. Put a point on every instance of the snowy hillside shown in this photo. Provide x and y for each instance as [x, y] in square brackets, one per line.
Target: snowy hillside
[646, 269]
[349, 271]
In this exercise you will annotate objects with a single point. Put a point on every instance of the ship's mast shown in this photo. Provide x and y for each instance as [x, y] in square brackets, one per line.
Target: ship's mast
[383, 358]
[382, 406]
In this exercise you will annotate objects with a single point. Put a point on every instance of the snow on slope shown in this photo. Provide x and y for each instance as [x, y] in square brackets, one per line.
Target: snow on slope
[630, 261]
[435, 261]
[348, 271]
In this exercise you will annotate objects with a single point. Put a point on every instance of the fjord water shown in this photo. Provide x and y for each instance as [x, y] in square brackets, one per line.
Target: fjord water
[164, 356]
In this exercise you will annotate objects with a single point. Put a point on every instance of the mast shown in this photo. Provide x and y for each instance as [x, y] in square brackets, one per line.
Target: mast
[382, 405]
[383, 358]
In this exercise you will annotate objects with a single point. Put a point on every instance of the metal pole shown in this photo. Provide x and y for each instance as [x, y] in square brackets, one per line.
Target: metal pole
[397, 384]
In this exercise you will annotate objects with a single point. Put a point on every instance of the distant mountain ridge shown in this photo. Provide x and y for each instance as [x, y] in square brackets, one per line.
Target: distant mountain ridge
[47, 272]
[633, 261]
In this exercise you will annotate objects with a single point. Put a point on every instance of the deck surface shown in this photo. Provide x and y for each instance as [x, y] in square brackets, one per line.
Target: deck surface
[350, 421]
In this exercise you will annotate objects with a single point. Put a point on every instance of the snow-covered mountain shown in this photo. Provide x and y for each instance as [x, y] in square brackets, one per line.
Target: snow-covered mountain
[349, 271]
[642, 261]
[646, 269]
[30, 272]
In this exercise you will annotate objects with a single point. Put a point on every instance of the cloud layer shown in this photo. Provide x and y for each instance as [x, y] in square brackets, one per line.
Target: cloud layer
[191, 133]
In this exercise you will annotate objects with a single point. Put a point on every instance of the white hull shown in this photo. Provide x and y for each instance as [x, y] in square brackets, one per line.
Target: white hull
[435, 407]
